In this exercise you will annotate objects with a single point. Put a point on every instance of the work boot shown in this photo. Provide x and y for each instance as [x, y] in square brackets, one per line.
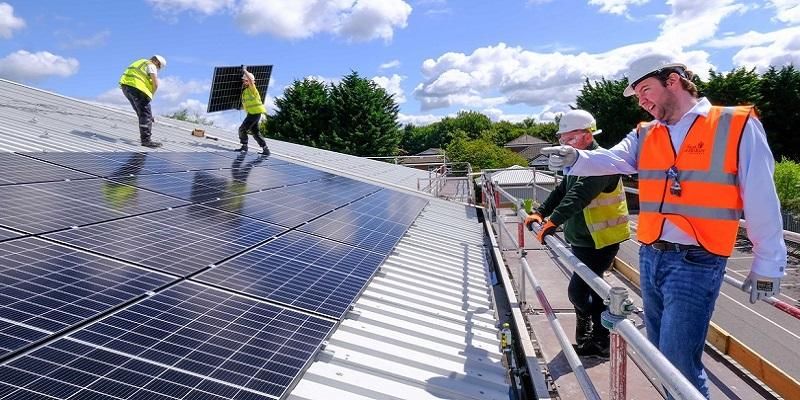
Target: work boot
[583, 328]
[265, 150]
[151, 144]
[592, 348]
[242, 149]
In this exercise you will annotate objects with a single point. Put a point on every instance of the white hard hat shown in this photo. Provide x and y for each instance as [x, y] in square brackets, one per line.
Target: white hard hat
[646, 66]
[161, 60]
[577, 119]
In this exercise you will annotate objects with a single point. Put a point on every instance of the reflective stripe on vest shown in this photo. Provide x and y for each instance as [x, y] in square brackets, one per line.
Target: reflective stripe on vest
[709, 205]
[136, 76]
[607, 218]
[251, 100]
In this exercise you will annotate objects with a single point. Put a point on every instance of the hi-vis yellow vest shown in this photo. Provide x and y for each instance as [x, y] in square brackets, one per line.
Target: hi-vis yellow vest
[607, 218]
[251, 100]
[136, 76]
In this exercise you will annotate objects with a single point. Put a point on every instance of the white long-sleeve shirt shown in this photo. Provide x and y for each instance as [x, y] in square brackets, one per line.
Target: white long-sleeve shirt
[755, 180]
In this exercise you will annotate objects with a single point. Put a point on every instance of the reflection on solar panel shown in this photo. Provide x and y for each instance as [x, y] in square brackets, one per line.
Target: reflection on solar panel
[301, 270]
[180, 241]
[188, 342]
[47, 288]
[19, 169]
[243, 298]
[45, 207]
[226, 86]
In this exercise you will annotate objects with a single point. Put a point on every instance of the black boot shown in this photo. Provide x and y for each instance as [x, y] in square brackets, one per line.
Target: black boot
[265, 150]
[597, 345]
[242, 149]
[151, 144]
[583, 328]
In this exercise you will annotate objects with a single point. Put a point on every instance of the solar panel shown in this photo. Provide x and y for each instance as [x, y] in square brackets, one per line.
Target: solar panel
[195, 186]
[180, 241]
[226, 86]
[110, 164]
[187, 342]
[47, 288]
[8, 234]
[301, 270]
[357, 229]
[19, 169]
[202, 160]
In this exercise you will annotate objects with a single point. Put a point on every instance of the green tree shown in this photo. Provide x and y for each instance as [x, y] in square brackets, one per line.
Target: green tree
[364, 118]
[303, 115]
[616, 114]
[780, 110]
[184, 115]
[738, 87]
[482, 154]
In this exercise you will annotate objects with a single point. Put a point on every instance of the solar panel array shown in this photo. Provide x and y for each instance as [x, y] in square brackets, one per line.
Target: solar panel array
[226, 86]
[179, 275]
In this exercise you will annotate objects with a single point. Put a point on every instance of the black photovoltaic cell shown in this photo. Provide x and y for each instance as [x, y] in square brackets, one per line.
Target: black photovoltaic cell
[195, 186]
[181, 241]
[45, 207]
[36, 211]
[188, 342]
[391, 206]
[7, 234]
[47, 288]
[301, 270]
[19, 169]
[111, 164]
[226, 86]
[204, 161]
[361, 230]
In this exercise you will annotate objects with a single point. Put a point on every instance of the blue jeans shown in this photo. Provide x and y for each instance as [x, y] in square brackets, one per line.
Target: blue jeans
[679, 289]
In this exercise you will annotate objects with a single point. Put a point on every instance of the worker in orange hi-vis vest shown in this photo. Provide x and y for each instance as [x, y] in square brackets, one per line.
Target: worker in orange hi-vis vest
[700, 167]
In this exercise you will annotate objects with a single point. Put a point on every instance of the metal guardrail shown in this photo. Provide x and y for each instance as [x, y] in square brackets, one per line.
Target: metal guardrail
[677, 385]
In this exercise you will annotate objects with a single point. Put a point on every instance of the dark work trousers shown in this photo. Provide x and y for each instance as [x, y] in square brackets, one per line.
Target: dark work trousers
[141, 104]
[585, 300]
[250, 125]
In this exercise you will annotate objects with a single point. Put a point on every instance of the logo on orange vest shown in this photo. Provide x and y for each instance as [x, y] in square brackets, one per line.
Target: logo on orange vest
[696, 148]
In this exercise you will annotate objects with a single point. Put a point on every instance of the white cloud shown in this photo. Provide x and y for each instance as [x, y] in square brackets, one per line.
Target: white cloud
[419, 119]
[392, 85]
[783, 49]
[206, 7]
[618, 7]
[787, 11]
[25, 66]
[496, 75]
[692, 21]
[172, 89]
[8, 21]
[298, 19]
[390, 64]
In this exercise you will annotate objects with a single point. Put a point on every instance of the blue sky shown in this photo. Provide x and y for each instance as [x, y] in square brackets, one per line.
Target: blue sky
[508, 59]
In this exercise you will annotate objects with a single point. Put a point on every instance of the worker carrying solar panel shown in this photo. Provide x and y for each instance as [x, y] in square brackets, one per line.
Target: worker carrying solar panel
[139, 83]
[251, 101]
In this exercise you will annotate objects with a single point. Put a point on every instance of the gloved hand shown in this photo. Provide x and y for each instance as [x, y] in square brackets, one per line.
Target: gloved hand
[548, 229]
[560, 157]
[530, 219]
[761, 286]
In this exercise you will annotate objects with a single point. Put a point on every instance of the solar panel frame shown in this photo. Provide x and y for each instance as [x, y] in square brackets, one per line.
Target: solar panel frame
[226, 86]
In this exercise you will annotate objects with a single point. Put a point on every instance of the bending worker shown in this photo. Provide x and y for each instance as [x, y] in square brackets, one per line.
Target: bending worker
[139, 83]
[594, 214]
[251, 101]
[700, 166]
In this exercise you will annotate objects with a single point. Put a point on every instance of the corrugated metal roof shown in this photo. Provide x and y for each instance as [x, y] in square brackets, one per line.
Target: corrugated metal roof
[423, 328]
[520, 176]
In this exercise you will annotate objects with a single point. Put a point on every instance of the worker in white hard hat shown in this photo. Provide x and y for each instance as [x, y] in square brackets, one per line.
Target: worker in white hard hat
[254, 107]
[594, 215]
[700, 167]
[139, 83]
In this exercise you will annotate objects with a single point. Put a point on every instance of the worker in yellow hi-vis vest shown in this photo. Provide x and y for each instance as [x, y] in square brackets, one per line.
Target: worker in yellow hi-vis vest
[139, 83]
[594, 214]
[251, 101]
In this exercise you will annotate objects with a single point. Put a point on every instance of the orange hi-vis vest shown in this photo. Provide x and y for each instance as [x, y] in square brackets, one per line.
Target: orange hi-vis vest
[708, 205]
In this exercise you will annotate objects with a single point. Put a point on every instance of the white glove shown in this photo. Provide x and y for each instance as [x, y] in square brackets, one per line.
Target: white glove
[560, 157]
[761, 286]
